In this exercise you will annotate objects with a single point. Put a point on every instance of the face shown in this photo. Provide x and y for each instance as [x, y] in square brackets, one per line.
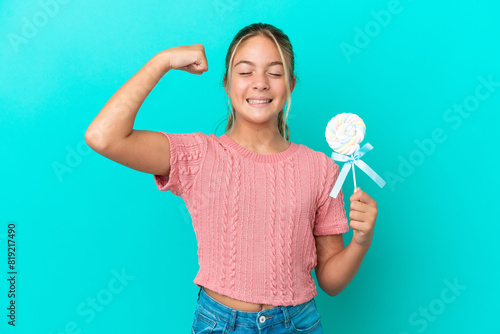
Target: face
[257, 76]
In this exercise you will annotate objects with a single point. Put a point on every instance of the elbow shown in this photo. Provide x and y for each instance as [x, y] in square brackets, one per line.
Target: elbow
[330, 289]
[331, 292]
[94, 140]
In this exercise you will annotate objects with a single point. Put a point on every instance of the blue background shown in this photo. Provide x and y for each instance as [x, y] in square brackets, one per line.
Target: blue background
[77, 229]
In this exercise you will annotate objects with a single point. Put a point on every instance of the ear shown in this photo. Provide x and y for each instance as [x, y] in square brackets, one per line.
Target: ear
[292, 86]
[225, 83]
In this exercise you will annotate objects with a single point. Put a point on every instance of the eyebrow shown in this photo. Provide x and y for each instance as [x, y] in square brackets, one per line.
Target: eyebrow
[252, 64]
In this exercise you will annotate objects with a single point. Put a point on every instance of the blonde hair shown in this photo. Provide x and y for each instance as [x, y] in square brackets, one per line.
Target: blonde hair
[287, 57]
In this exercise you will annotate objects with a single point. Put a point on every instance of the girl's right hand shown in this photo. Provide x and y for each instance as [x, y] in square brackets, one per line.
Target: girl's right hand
[189, 58]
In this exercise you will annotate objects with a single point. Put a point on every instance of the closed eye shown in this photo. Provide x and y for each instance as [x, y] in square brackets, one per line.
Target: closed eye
[275, 74]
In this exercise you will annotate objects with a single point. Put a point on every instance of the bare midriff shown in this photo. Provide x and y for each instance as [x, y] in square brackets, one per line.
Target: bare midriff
[237, 304]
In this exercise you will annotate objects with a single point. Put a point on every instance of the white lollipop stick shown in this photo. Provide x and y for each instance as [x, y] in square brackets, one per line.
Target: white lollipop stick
[354, 177]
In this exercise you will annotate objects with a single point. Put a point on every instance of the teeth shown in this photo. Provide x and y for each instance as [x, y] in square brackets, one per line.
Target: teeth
[259, 101]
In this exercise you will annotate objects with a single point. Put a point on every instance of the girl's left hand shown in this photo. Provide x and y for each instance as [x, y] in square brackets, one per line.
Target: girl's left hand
[362, 215]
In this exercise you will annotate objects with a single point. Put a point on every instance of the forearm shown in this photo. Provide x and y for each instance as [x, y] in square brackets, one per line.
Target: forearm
[116, 119]
[341, 268]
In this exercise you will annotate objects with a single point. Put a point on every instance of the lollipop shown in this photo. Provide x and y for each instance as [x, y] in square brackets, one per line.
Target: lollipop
[343, 133]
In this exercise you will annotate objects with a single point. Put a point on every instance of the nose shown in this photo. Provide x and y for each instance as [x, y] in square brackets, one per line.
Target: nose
[261, 81]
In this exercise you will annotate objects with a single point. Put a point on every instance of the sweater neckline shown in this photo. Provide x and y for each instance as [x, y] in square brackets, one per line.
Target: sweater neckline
[257, 157]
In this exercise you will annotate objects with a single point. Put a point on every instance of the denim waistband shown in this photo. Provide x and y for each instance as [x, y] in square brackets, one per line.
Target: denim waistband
[259, 319]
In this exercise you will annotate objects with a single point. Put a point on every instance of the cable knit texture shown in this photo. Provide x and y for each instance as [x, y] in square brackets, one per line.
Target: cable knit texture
[255, 215]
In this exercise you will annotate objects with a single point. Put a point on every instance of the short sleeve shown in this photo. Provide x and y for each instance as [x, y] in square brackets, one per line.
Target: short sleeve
[330, 214]
[187, 152]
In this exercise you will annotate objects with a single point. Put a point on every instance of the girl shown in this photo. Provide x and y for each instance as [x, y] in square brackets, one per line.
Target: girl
[260, 204]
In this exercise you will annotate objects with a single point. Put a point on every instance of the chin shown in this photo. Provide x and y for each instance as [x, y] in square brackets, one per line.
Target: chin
[262, 119]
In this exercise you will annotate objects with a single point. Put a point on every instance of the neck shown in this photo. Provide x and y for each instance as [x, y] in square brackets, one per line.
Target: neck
[259, 140]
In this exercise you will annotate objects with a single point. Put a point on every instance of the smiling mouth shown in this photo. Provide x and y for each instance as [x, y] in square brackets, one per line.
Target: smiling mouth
[259, 101]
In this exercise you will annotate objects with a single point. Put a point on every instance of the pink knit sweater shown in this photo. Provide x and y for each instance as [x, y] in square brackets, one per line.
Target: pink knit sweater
[255, 215]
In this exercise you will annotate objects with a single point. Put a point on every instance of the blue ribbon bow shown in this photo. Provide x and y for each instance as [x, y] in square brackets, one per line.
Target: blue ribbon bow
[350, 161]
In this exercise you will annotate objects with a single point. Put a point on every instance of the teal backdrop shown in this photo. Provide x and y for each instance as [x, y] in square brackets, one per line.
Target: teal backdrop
[100, 250]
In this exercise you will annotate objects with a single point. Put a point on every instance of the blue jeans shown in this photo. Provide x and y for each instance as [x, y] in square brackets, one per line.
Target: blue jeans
[212, 316]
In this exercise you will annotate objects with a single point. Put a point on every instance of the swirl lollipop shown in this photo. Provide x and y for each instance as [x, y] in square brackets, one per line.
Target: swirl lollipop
[343, 133]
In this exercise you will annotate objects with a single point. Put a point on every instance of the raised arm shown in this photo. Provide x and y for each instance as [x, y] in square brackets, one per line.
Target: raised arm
[111, 133]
